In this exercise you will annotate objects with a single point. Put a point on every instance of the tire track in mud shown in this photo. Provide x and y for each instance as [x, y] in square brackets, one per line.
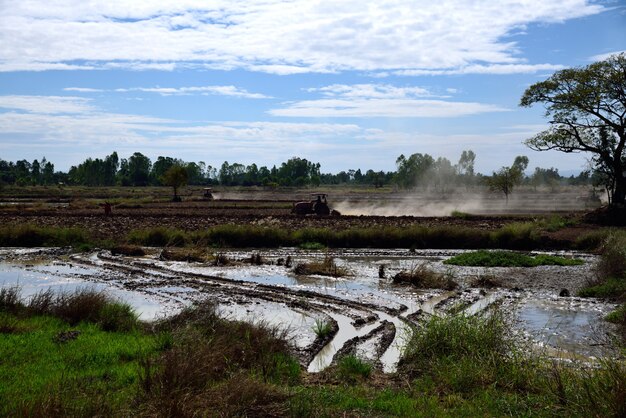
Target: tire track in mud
[378, 330]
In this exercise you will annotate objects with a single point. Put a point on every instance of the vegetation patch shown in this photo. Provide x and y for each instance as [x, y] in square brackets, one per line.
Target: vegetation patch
[423, 277]
[610, 279]
[486, 281]
[322, 328]
[75, 354]
[484, 258]
[611, 288]
[326, 267]
[352, 369]
[184, 254]
[128, 250]
[34, 236]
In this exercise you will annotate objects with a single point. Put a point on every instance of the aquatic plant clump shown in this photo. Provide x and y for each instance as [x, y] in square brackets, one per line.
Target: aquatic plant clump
[484, 258]
[425, 278]
[326, 267]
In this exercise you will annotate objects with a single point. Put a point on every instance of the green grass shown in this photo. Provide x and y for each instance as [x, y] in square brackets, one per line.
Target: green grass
[611, 288]
[198, 364]
[312, 246]
[509, 259]
[76, 375]
[352, 369]
[34, 236]
[523, 236]
[322, 328]
[610, 279]
[618, 316]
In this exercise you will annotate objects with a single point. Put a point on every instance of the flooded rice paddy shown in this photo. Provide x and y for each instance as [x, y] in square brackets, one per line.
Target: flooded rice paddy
[368, 316]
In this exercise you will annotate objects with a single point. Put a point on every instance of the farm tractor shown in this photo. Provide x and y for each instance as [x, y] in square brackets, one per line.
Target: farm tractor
[317, 206]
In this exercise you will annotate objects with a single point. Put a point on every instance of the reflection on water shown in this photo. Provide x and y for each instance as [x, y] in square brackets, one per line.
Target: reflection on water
[556, 325]
[32, 279]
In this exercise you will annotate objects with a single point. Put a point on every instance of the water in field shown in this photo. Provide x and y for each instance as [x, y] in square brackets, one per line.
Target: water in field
[372, 314]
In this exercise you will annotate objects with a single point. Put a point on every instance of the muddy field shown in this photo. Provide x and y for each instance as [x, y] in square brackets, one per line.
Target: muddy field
[368, 315]
[365, 313]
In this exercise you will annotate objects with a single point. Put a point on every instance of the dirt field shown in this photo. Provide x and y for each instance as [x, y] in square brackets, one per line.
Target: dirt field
[149, 207]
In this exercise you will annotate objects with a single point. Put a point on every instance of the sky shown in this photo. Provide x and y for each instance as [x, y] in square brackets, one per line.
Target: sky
[348, 84]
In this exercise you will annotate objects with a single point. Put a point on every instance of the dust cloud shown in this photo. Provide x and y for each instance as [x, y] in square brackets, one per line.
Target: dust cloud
[479, 203]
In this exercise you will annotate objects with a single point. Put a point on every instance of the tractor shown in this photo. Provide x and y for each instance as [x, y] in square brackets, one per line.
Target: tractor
[208, 193]
[318, 206]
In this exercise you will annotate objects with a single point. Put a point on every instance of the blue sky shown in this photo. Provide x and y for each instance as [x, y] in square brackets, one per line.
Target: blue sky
[349, 84]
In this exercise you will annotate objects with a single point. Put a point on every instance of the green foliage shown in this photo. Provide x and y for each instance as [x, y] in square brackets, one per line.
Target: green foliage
[326, 267]
[352, 369]
[613, 256]
[610, 269]
[322, 328]
[175, 177]
[505, 179]
[611, 288]
[586, 107]
[423, 277]
[618, 316]
[484, 258]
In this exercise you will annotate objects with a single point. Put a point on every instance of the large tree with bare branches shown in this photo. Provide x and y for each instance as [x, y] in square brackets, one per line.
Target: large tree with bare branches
[587, 111]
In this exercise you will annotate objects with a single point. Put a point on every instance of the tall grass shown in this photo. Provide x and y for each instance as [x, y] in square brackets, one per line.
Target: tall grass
[218, 365]
[34, 236]
[84, 304]
[514, 236]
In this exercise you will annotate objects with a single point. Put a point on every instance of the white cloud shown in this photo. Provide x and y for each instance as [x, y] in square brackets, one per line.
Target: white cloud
[280, 36]
[180, 91]
[484, 69]
[383, 108]
[83, 89]
[602, 57]
[206, 90]
[47, 104]
[379, 100]
[371, 91]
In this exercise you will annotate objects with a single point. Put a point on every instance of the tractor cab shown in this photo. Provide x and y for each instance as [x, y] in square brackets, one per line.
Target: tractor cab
[208, 193]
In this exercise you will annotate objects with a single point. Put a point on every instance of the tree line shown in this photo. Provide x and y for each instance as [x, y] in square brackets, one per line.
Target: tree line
[417, 171]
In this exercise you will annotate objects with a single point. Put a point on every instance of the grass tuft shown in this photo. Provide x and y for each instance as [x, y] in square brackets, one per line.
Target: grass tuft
[352, 369]
[423, 277]
[322, 328]
[326, 267]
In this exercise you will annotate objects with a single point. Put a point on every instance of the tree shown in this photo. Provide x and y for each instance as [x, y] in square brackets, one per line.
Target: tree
[587, 111]
[175, 177]
[412, 170]
[139, 169]
[508, 177]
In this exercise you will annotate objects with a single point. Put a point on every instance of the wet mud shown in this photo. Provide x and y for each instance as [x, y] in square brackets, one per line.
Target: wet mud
[370, 317]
